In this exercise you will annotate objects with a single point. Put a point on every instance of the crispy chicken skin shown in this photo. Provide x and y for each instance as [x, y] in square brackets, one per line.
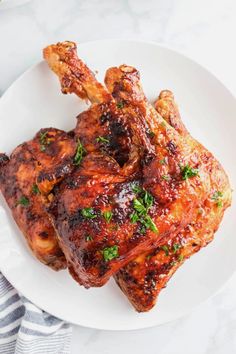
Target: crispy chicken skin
[104, 118]
[174, 197]
[74, 75]
[18, 186]
[54, 150]
[26, 180]
[144, 277]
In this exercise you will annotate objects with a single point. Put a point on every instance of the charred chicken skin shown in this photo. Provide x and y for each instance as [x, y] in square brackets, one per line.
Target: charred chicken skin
[27, 178]
[144, 277]
[146, 201]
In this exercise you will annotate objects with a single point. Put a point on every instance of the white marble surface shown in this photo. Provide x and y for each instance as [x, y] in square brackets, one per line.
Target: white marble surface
[204, 30]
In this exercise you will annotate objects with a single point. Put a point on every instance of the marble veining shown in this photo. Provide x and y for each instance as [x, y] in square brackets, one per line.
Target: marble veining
[204, 30]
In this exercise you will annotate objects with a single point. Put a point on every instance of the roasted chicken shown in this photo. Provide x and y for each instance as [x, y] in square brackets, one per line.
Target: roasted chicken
[144, 277]
[149, 204]
[31, 172]
[128, 193]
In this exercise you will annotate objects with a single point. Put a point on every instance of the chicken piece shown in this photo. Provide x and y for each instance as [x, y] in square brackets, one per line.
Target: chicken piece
[74, 75]
[31, 172]
[136, 200]
[54, 150]
[103, 126]
[167, 108]
[18, 186]
[144, 277]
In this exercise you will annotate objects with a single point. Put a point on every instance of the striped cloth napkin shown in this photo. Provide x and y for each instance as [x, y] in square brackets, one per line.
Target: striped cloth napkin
[25, 329]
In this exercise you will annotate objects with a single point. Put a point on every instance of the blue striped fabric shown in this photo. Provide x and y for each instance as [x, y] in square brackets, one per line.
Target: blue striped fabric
[25, 329]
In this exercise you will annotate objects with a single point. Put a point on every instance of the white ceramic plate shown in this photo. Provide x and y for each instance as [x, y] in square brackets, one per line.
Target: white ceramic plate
[208, 110]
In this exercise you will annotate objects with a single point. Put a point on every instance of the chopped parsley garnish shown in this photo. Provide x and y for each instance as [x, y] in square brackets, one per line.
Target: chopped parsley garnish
[43, 139]
[151, 134]
[88, 213]
[80, 152]
[35, 189]
[163, 161]
[217, 198]
[173, 263]
[188, 172]
[136, 188]
[141, 206]
[176, 247]
[144, 202]
[149, 223]
[24, 201]
[110, 252]
[181, 257]
[217, 195]
[88, 238]
[165, 177]
[142, 229]
[148, 199]
[134, 217]
[107, 216]
[102, 139]
[120, 105]
[165, 248]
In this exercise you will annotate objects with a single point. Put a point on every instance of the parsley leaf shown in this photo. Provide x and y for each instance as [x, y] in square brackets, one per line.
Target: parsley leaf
[88, 238]
[148, 200]
[102, 139]
[24, 201]
[165, 248]
[134, 217]
[151, 133]
[136, 188]
[120, 105]
[217, 198]
[110, 252]
[139, 207]
[188, 172]
[149, 223]
[217, 195]
[165, 177]
[107, 216]
[176, 247]
[181, 257]
[88, 213]
[80, 152]
[142, 229]
[163, 161]
[35, 189]
[43, 139]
